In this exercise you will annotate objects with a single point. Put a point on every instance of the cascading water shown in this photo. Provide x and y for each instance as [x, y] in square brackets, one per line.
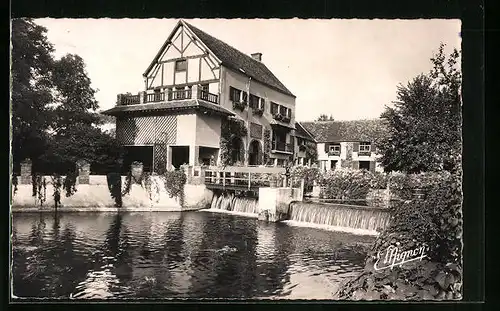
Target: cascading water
[235, 204]
[348, 218]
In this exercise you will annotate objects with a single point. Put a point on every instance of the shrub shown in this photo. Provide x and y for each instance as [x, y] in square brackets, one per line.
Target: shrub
[309, 174]
[379, 180]
[345, 184]
[434, 221]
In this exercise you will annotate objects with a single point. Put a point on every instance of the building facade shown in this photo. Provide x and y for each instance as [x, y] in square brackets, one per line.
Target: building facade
[194, 84]
[347, 144]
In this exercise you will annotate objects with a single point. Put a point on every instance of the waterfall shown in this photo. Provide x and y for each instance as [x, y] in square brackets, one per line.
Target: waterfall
[339, 217]
[234, 204]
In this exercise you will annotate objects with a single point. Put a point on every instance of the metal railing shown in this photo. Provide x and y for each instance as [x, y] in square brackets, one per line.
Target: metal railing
[240, 177]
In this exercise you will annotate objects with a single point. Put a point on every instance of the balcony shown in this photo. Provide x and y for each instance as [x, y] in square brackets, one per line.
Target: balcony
[334, 153]
[166, 96]
[279, 146]
[364, 153]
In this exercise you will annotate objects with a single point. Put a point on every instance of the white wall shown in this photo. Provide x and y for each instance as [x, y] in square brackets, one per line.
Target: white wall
[186, 129]
[208, 131]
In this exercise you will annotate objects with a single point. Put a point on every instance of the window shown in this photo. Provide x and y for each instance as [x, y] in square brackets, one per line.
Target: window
[283, 110]
[274, 108]
[334, 149]
[181, 65]
[204, 87]
[262, 104]
[234, 94]
[254, 101]
[364, 147]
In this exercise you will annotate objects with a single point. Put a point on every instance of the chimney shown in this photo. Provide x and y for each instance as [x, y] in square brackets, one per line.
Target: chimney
[257, 56]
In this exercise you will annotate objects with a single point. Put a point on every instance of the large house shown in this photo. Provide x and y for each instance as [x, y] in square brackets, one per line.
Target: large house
[351, 144]
[193, 85]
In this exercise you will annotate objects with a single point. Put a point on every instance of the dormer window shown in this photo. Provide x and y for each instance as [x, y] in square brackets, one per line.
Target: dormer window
[181, 65]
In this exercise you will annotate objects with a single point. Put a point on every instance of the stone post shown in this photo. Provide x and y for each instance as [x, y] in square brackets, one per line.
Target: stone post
[136, 169]
[25, 172]
[83, 172]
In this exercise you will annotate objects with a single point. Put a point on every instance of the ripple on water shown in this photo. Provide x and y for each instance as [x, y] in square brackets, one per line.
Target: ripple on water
[176, 255]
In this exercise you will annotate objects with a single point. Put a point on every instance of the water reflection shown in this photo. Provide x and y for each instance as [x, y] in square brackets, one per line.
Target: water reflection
[169, 255]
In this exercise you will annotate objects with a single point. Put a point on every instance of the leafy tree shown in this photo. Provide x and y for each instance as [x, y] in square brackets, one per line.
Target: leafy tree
[425, 123]
[54, 110]
[324, 117]
[31, 89]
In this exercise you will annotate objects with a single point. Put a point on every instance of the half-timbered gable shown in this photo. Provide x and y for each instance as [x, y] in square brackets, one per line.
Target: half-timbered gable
[183, 60]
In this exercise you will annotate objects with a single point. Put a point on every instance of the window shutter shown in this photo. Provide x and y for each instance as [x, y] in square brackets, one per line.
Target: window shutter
[355, 147]
[372, 166]
[327, 147]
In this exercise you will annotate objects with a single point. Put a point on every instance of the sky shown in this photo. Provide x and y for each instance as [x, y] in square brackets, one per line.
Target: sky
[347, 68]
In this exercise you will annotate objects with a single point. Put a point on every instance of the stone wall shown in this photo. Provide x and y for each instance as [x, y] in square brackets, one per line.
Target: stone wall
[95, 196]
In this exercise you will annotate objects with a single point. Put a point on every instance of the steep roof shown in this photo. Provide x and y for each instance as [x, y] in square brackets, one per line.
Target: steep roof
[236, 60]
[347, 131]
[301, 132]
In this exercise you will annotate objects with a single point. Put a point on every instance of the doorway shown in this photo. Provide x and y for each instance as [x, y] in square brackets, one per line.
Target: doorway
[180, 156]
[364, 165]
[143, 154]
[254, 153]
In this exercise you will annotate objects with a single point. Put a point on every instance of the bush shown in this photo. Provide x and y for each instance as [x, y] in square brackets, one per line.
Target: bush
[435, 221]
[309, 174]
[345, 184]
[379, 180]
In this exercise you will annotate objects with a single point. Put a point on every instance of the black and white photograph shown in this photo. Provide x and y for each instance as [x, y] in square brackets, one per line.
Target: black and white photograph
[262, 159]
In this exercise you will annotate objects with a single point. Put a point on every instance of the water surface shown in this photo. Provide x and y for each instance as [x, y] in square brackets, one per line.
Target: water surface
[177, 255]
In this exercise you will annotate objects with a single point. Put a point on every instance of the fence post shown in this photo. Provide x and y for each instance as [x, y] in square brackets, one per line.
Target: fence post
[249, 181]
[83, 172]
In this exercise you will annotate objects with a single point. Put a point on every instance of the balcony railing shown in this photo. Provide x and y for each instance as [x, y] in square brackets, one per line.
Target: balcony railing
[156, 97]
[334, 153]
[364, 153]
[282, 146]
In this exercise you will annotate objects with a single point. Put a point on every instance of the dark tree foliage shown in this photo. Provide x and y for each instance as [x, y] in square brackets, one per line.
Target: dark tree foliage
[54, 110]
[425, 123]
[32, 63]
[324, 117]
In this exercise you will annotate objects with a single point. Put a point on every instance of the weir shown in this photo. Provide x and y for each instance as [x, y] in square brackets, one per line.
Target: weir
[340, 217]
[229, 202]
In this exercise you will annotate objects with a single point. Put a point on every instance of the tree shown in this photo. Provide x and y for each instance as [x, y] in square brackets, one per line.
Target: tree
[425, 123]
[31, 89]
[324, 117]
[54, 110]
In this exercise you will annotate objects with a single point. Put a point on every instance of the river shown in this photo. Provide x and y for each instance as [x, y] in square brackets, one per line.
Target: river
[177, 255]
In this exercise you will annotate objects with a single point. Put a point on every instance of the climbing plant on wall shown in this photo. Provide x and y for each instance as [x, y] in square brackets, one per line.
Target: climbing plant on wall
[230, 130]
[267, 145]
